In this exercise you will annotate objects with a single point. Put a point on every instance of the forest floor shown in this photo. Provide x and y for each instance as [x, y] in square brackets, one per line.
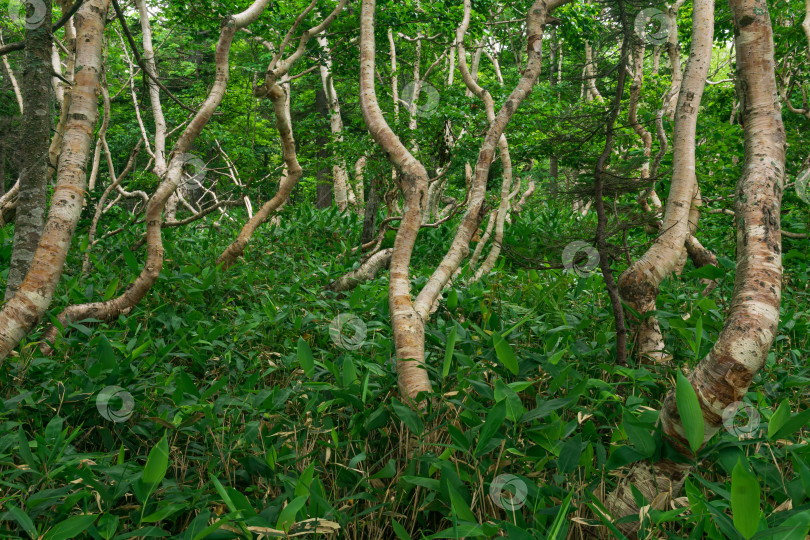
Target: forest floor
[251, 402]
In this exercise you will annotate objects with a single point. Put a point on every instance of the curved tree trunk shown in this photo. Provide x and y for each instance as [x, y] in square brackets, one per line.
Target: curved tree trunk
[293, 172]
[408, 316]
[278, 72]
[34, 295]
[724, 376]
[409, 330]
[133, 294]
[32, 200]
[365, 272]
[639, 284]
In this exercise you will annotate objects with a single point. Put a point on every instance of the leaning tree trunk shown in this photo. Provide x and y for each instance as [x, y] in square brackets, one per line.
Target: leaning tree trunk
[293, 173]
[277, 73]
[19, 315]
[723, 377]
[639, 284]
[408, 316]
[408, 327]
[36, 138]
[134, 293]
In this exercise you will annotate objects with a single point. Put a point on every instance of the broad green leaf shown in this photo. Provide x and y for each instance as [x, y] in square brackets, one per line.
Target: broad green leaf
[448, 352]
[793, 424]
[639, 435]
[460, 506]
[493, 422]
[505, 353]
[400, 531]
[286, 518]
[109, 292]
[778, 419]
[514, 407]
[452, 300]
[795, 527]
[157, 463]
[690, 412]
[305, 357]
[389, 471]
[305, 480]
[570, 454]
[24, 521]
[745, 500]
[132, 262]
[408, 416]
[349, 371]
[70, 528]
[357, 295]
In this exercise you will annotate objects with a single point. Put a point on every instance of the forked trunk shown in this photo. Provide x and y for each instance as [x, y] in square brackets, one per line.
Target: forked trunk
[135, 292]
[639, 284]
[723, 377]
[409, 329]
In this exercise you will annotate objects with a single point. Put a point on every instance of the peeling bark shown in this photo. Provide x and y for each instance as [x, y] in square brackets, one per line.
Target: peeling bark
[34, 295]
[32, 200]
[365, 272]
[639, 284]
[135, 292]
[741, 349]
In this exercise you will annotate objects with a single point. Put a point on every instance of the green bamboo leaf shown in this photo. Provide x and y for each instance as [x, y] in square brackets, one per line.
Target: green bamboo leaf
[494, 421]
[109, 292]
[460, 507]
[157, 463]
[70, 528]
[690, 412]
[505, 353]
[448, 352]
[793, 424]
[569, 455]
[452, 300]
[778, 419]
[24, 521]
[408, 417]
[745, 500]
[305, 357]
[286, 518]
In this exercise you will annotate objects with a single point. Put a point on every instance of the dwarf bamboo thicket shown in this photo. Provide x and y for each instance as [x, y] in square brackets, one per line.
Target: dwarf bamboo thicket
[202, 196]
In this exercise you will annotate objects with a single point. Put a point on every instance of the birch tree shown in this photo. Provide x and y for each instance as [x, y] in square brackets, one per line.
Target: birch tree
[724, 375]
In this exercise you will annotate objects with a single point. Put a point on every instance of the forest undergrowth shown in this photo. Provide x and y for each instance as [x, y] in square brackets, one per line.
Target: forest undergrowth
[252, 403]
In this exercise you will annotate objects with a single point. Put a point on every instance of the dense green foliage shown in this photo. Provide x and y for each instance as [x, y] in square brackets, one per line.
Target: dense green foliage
[250, 420]
[217, 372]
